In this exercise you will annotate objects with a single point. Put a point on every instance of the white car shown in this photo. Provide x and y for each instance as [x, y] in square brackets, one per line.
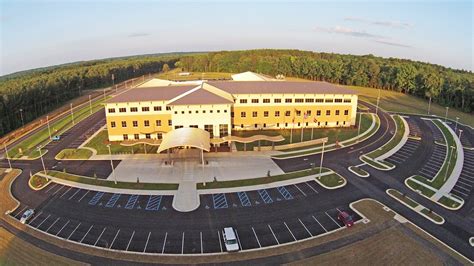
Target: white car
[27, 215]
[230, 240]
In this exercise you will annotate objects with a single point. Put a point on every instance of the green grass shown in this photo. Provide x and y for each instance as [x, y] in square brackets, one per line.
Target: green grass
[260, 180]
[173, 75]
[74, 154]
[403, 198]
[393, 141]
[417, 187]
[377, 164]
[37, 181]
[332, 180]
[448, 202]
[403, 103]
[100, 141]
[29, 145]
[432, 215]
[111, 184]
[358, 170]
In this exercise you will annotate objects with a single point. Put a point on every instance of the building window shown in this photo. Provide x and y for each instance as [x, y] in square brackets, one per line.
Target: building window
[298, 112]
[265, 113]
[210, 129]
[338, 100]
[134, 109]
[145, 109]
[287, 113]
[182, 112]
[122, 110]
[175, 112]
[136, 136]
[124, 123]
[159, 135]
[308, 113]
[243, 114]
[170, 123]
[278, 124]
[299, 100]
[125, 136]
[156, 108]
[347, 100]
[277, 100]
[264, 125]
[112, 124]
[176, 127]
[218, 111]
[225, 110]
[111, 110]
[346, 112]
[254, 100]
[243, 101]
[328, 112]
[329, 100]
[337, 112]
[299, 124]
[277, 113]
[147, 123]
[286, 124]
[231, 114]
[254, 114]
[223, 130]
[266, 100]
[318, 112]
[319, 100]
[147, 136]
[256, 125]
[193, 126]
[203, 111]
[158, 123]
[326, 123]
[241, 125]
[135, 123]
[309, 100]
[211, 111]
[337, 123]
[190, 112]
[197, 111]
[168, 108]
[288, 100]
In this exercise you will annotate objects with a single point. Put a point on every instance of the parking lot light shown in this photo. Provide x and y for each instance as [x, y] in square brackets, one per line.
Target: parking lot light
[456, 126]
[460, 132]
[446, 116]
[8, 157]
[321, 162]
[112, 164]
[42, 161]
[49, 129]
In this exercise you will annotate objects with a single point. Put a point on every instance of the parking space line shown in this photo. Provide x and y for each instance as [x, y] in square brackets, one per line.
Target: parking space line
[34, 218]
[463, 188]
[74, 194]
[43, 221]
[305, 227]
[219, 237]
[97, 241]
[63, 227]
[304, 194]
[457, 191]
[164, 243]
[290, 231]
[130, 241]
[52, 224]
[200, 237]
[238, 238]
[146, 244]
[19, 213]
[182, 244]
[311, 187]
[333, 219]
[65, 193]
[319, 223]
[113, 241]
[273, 234]
[83, 196]
[255, 234]
[73, 231]
[86, 233]
[461, 181]
[54, 193]
[55, 184]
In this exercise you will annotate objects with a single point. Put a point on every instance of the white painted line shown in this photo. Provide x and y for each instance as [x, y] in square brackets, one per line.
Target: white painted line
[465, 180]
[182, 244]
[164, 244]
[219, 237]
[238, 238]
[289, 231]
[113, 241]
[34, 218]
[55, 184]
[460, 181]
[463, 188]
[311, 187]
[43, 221]
[65, 193]
[54, 193]
[83, 196]
[278, 242]
[255, 234]
[460, 192]
[73, 231]
[20, 212]
[130, 241]
[200, 237]
[300, 190]
[52, 224]
[319, 223]
[146, 244]
[63, 227]
[74, 194]
[305, 227]
[97, 241]
[86, 233]
[332, 219]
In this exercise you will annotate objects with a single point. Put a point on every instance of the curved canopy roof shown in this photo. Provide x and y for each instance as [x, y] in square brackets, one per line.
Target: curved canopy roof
[192, 137]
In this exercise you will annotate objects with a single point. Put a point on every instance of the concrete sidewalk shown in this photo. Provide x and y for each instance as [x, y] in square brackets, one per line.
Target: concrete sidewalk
[186, 198]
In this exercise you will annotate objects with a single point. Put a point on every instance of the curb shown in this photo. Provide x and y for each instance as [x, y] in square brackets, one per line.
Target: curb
[357, 174]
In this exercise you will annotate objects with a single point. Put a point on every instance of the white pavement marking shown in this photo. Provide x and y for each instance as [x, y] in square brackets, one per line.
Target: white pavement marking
[52, 224]
[43, 221]
[289, 231]
[200, 237]
[271, 230]
[146, 244]
[311, 187]
[305, 227]
[82, 239]
[63, 227]
[34, 218]
[130, 241]
[113, 241]
[219, 237]
[97, 241]
[83, 196]
[300, 190]
[164, 243]
[58, 190]
[73, 231]
[255, 234]
[55, 184]
[332, 219]
[238, 238]
[457, 191]
[319, 223]
[74, 194]
[65, 193]
[182, 244]
[20, 212]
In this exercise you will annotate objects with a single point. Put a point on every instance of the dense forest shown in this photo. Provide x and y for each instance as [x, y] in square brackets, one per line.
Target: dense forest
[454, 88]
[39, 91]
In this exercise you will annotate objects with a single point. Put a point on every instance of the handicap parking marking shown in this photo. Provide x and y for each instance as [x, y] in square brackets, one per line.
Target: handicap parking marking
[131, 202]
[112, 200]
[96, 198]
[154, 203]
[265, 196]
[244, 199]
[219, 201]
[285, 193]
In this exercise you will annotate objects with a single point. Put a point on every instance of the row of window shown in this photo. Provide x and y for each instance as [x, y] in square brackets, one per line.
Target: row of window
[297, 100]
[202, 111]
[147, 136]
[135, 109]
[146, 123]
[278, 125]
[288, 113]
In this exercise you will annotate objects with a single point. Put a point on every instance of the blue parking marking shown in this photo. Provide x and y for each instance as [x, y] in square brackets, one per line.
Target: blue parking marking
[112, 201]
[265, 196]
[244, 199]
[96, 198]
[131, 202]
[220, 201]
[153, 203]
[285, 193]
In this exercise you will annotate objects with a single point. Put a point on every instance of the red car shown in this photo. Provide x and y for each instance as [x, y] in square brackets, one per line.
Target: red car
[345, 218]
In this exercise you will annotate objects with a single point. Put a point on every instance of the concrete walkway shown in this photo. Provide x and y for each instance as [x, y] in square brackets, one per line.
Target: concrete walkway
[187, 198]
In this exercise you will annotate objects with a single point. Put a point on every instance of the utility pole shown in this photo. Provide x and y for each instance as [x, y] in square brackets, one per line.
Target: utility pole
[8, 157]
[104, 94]
[446, 117]
[49, 129]
[456, 127]
[460, 132]
[21, 115]
[42, 161]
[90, 104]
[321, 162]
[358, 129]
[112, 164]
[429, 105]
[378, 101]
[72, 115]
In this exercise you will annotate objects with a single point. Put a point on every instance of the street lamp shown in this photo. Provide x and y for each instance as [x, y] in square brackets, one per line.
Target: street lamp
[112, 164]
[358, 130]
[90, 104]
[72, 115]
[378, 101]
[446, 117]
[8, 157]
[21, 115]
[321, 162]
[42, 161]
[429, 105]
[456, 127]
[460, 132]
[49, 129]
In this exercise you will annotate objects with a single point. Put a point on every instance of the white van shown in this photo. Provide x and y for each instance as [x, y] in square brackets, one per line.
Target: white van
[230, 240]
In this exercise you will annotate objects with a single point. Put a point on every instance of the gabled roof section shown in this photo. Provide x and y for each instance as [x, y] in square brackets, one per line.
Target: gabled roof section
[155, 83]
[199, 96]
[151, 94]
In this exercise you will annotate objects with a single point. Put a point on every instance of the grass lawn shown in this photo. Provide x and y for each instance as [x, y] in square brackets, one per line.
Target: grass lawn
[38, 182]
[417, 187]
[403, 198]
[332, 180]
[174, 75]
[448, 202]
[260, 180]
[393, 141]
[358, 170]
[100, 141]
[74, 154]
[108, 183]
[376, 164]
[432, 215]
[29, 145]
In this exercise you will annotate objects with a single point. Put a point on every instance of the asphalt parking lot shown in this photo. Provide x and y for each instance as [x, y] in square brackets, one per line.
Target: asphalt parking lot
[465, 183]
[406, 152]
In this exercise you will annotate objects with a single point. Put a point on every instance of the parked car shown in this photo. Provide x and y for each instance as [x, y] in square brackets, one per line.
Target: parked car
[230, 240]
[56, 138]
[27, 215]
[346, 218]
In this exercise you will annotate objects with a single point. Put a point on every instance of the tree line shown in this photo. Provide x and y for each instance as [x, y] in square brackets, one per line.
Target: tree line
[446, 86]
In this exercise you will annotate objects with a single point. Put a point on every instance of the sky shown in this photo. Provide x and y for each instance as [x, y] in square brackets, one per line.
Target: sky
[43, 33]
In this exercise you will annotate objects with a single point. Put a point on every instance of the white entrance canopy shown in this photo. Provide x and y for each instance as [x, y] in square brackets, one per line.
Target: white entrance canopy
[192, 137]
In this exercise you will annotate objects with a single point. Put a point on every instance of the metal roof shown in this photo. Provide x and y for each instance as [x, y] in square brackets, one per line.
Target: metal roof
[151, 94]
[186, 136]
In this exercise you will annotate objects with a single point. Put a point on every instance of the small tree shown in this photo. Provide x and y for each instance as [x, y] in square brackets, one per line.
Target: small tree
[165, 68]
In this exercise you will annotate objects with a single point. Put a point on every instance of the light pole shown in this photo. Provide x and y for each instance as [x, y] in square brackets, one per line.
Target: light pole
[42, 161]
[456, 126]
[358, 129]
[429, 105]
[460, 132]
[72, 115]
[446, 116]
[49, 129]
[8, 157]
[21, 115]
[104, 94]
[449, 163]
[378, 101]
[321, 162]
[90, 104]
[112, 164]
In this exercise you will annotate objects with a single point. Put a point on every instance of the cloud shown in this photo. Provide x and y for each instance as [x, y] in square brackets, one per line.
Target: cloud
[384, 23]
[348, 31]
[393, 43]
[138, 34]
